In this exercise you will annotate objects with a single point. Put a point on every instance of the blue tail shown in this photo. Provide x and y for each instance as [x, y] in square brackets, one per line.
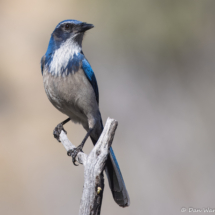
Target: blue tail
[115, 180]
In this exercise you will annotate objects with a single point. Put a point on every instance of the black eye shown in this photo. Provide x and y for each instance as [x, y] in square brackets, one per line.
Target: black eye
[67, 26]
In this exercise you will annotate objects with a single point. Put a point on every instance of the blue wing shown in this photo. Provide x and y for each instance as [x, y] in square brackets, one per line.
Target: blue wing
[91, 77]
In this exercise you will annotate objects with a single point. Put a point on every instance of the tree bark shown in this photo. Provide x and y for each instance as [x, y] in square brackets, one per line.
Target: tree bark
[94, 164]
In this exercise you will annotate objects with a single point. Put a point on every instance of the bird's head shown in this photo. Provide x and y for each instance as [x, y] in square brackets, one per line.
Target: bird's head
[65, 45]
[72, 30]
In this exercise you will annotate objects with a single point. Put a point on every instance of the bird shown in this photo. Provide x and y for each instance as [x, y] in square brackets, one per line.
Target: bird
[71, 86]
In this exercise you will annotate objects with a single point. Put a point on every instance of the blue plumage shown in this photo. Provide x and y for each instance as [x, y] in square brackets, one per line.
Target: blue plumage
[71, 21]
[71, 86]
[91, 77]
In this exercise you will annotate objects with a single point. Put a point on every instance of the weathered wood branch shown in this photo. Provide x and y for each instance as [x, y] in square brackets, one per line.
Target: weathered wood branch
[94, 164]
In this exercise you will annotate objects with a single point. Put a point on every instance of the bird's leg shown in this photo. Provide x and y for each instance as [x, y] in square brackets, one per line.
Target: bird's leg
[73, 152]
[59, 128]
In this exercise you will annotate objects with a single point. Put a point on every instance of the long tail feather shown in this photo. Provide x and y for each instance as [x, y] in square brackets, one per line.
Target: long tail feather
[115, 180]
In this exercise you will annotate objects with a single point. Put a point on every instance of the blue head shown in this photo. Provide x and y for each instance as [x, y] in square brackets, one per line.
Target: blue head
[65, 46]
[68, 30]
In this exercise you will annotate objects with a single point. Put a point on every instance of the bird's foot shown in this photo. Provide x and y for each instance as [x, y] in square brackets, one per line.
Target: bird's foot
[58, 130]
[73, 153]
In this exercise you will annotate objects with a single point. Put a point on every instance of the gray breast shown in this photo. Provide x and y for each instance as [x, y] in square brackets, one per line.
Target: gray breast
[73, 95]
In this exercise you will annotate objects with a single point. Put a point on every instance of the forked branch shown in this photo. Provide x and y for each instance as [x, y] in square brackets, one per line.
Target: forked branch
[94, 164]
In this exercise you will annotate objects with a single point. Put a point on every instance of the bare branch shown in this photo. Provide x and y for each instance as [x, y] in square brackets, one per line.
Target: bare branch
[94, 165]
[81, 157]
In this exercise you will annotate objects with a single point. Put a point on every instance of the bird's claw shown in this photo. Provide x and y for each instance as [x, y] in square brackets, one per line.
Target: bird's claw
[58, 130]
[73, 153]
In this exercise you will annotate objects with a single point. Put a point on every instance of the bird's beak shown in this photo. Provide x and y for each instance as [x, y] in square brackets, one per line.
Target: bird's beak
[84, 27]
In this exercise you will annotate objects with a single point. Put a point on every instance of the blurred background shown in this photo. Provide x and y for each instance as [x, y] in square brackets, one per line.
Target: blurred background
[154, 62]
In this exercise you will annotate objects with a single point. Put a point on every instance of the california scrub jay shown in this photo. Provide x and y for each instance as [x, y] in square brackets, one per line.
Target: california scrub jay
[71, 87]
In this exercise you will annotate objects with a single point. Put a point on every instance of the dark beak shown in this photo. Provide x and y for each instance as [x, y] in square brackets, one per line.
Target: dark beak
[84, 27]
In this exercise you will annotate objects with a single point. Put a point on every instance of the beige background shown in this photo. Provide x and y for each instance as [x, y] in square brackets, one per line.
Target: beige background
[154, 62]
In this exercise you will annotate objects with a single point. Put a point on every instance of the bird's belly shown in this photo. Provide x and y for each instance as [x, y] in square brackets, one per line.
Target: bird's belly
[72, 95]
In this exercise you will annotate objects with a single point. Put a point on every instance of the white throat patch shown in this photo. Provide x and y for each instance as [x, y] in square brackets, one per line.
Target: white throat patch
[62, 56]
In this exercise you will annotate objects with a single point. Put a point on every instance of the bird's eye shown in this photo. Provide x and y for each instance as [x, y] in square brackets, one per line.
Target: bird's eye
[67, 26]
